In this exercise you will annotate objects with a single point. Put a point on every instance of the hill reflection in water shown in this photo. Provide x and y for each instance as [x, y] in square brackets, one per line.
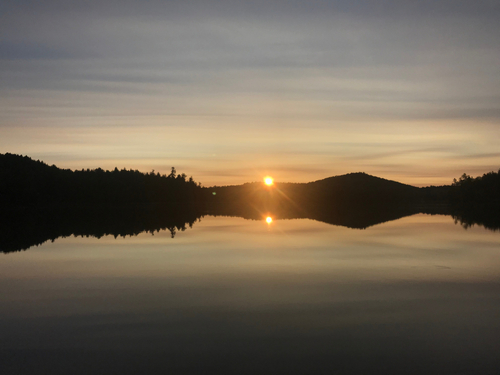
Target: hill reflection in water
[22, 229]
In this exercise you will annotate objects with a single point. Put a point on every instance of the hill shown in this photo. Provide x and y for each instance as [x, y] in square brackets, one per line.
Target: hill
[362, 189]
[354, 191]
[32, 183]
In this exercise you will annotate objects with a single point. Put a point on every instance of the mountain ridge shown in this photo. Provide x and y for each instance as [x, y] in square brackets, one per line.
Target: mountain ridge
[29, 182]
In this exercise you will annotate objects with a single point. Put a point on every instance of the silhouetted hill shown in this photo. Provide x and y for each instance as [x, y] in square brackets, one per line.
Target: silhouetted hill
[482, 192]
[26, 182]
[355, 190]
[360, 179]
[361, 189]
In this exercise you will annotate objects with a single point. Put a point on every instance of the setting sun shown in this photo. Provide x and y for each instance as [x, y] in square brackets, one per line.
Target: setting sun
[268, 181]
[269, 219]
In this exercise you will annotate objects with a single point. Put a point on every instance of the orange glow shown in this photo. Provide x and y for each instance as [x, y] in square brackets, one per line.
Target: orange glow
[268, 181]
[269, 219]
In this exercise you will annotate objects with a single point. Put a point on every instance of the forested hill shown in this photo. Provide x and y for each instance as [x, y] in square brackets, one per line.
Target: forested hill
[351, 190]
[354, 187]
[469, 199]
[28, 182]
[360, 178]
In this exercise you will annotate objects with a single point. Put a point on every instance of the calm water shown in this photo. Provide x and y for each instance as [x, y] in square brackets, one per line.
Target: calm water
[419, 295]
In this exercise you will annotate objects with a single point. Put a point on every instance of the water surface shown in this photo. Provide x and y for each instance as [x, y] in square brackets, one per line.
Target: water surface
[416, 295]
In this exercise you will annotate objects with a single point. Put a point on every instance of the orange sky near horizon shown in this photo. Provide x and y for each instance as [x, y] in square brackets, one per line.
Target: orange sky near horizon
[218, 156]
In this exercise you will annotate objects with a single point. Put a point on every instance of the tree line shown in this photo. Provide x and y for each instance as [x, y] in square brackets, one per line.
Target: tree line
[28, 182]
[481, 192]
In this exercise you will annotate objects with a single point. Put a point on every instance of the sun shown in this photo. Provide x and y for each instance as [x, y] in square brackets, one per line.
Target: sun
[268, 181]
[269, 219]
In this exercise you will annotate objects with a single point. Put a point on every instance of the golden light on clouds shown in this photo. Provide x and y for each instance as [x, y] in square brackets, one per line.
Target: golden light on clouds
[300, 121]
[268, 181]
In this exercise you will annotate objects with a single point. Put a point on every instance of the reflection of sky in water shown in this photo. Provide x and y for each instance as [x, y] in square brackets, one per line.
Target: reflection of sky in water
[414, 295]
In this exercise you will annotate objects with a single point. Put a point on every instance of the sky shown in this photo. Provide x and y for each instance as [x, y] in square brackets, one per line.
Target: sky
[231, 91]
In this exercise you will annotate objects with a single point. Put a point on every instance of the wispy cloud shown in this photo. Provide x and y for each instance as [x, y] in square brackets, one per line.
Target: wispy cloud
[298, 88]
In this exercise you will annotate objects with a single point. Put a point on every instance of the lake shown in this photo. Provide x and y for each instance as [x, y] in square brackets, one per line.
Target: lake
[418, 295]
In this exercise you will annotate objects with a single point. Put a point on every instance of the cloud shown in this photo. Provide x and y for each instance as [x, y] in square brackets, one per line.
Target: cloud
[286, 85]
